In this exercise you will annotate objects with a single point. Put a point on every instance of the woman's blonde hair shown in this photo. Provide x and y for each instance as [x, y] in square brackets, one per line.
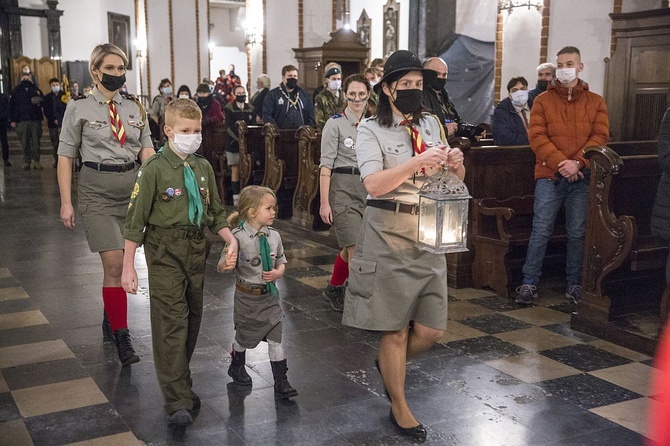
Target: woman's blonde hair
[251, 197]
[100, 52]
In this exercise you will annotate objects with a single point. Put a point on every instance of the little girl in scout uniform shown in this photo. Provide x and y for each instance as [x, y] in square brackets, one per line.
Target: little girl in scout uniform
[260, 263]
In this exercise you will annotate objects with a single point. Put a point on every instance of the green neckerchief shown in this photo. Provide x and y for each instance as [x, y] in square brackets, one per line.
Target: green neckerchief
[266, 260]
[194, 200]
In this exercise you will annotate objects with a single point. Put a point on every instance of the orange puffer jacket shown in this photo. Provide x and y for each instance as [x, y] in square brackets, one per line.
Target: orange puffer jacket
[563, 122]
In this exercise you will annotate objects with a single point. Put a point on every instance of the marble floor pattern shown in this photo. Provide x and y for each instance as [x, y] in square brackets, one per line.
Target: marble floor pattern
[503, 375]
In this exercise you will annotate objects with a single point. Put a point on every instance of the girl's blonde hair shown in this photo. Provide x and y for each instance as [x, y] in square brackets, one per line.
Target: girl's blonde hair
[100, 52]
[251, 197]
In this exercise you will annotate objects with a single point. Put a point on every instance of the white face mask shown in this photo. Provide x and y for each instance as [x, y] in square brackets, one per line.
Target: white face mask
[184, 96]
[519, 98]
[335, 85]
[186, 144]
[566, 75]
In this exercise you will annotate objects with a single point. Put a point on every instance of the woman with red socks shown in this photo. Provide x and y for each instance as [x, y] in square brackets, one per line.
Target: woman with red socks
[109, 131]
[342, 192]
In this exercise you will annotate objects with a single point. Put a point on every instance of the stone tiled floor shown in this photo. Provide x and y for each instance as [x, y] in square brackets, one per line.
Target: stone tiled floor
[502, 375]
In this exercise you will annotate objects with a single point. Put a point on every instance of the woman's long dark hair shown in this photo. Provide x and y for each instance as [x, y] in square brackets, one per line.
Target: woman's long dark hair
[384, 111]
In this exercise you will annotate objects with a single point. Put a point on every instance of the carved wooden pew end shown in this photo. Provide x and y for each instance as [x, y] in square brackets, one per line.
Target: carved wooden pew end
[624, 264]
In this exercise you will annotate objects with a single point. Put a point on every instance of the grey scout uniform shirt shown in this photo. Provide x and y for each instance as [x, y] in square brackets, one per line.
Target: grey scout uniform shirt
[338, 141]
[87, 130]
[380, 148]
[249, 268]
[153, 203]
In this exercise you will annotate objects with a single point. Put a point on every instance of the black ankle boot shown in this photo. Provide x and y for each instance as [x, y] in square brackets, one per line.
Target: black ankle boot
[283, 388]
[237, 371]
[106, 328]
[124, 347]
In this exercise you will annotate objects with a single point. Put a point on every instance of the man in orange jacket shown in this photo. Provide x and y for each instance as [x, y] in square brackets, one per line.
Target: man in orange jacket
[563, 122]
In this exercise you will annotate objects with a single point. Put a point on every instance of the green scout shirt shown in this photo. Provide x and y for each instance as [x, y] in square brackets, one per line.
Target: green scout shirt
[326, 104]
[160, 199]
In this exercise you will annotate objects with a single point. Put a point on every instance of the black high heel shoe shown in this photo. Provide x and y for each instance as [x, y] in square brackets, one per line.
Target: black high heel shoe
[417, 433]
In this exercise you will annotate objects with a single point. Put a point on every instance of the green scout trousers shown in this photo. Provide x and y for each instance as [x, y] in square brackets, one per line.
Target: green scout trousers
[176, 262]
[29, 133]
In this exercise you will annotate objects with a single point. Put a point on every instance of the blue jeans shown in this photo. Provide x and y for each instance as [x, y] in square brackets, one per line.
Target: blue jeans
[549, 196]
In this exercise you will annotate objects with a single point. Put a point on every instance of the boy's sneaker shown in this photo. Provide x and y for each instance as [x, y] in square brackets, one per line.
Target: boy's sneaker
[574, 292]
[525, 294]
[334, 295]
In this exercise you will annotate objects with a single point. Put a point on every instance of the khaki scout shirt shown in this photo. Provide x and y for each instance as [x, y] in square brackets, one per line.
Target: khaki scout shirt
[86, 130]
[326, 104]
[249, 268]
[338, 141]
[380, 148]
[159, 177]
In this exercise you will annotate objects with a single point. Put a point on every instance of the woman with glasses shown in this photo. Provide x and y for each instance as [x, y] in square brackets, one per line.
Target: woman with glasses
[342, 192]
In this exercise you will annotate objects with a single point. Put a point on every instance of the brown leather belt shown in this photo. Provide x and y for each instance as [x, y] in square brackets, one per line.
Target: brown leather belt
[394, 206]
[254, 290]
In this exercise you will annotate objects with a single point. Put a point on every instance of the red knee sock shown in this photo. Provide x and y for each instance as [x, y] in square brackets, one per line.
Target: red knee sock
[340, 272]
[116, 307]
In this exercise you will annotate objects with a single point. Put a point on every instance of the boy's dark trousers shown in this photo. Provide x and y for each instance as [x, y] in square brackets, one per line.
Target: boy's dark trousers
[176, 262]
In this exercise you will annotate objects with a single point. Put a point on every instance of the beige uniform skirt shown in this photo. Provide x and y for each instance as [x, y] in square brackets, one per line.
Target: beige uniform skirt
[256, 318]
[391, 281]
[347, 201]
[103, 204]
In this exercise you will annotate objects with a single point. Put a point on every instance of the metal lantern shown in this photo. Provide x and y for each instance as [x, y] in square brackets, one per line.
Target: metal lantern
[443, 214]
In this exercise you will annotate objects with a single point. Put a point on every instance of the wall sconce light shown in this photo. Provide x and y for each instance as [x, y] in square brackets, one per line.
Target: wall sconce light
[509, 5]
[140, 47]
[252, 37]
[211, 46]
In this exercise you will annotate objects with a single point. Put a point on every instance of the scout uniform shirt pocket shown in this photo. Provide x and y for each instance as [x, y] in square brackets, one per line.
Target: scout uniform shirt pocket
[97, 125]
[134, 125]
[396, 153]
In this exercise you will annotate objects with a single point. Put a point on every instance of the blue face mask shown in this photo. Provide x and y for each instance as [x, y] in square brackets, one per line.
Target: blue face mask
[167, 91]
[55, 89]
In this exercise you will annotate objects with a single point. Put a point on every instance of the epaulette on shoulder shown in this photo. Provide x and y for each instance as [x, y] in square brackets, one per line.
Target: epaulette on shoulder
[200, 155]
[237, 229]
[338, 115]
[152, 158]
[80, 97]
[270, 228]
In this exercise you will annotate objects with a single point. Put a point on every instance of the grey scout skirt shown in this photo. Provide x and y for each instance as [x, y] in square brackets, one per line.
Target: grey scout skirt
[347, 201]
[257, 318]
[391, 281]
[103, 204]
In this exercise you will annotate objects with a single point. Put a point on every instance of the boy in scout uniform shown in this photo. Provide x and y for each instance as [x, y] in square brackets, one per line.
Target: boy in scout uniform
[174, 197]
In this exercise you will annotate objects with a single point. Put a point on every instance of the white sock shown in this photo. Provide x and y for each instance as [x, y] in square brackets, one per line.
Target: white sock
[275, 351]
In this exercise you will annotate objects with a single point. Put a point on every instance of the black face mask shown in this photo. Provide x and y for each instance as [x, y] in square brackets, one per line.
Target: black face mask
[408, 101]
[291, 83]
[205, 100]
[542, 85]
[241, 98]
[26, 84]
[438, 83]
[112, 83]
